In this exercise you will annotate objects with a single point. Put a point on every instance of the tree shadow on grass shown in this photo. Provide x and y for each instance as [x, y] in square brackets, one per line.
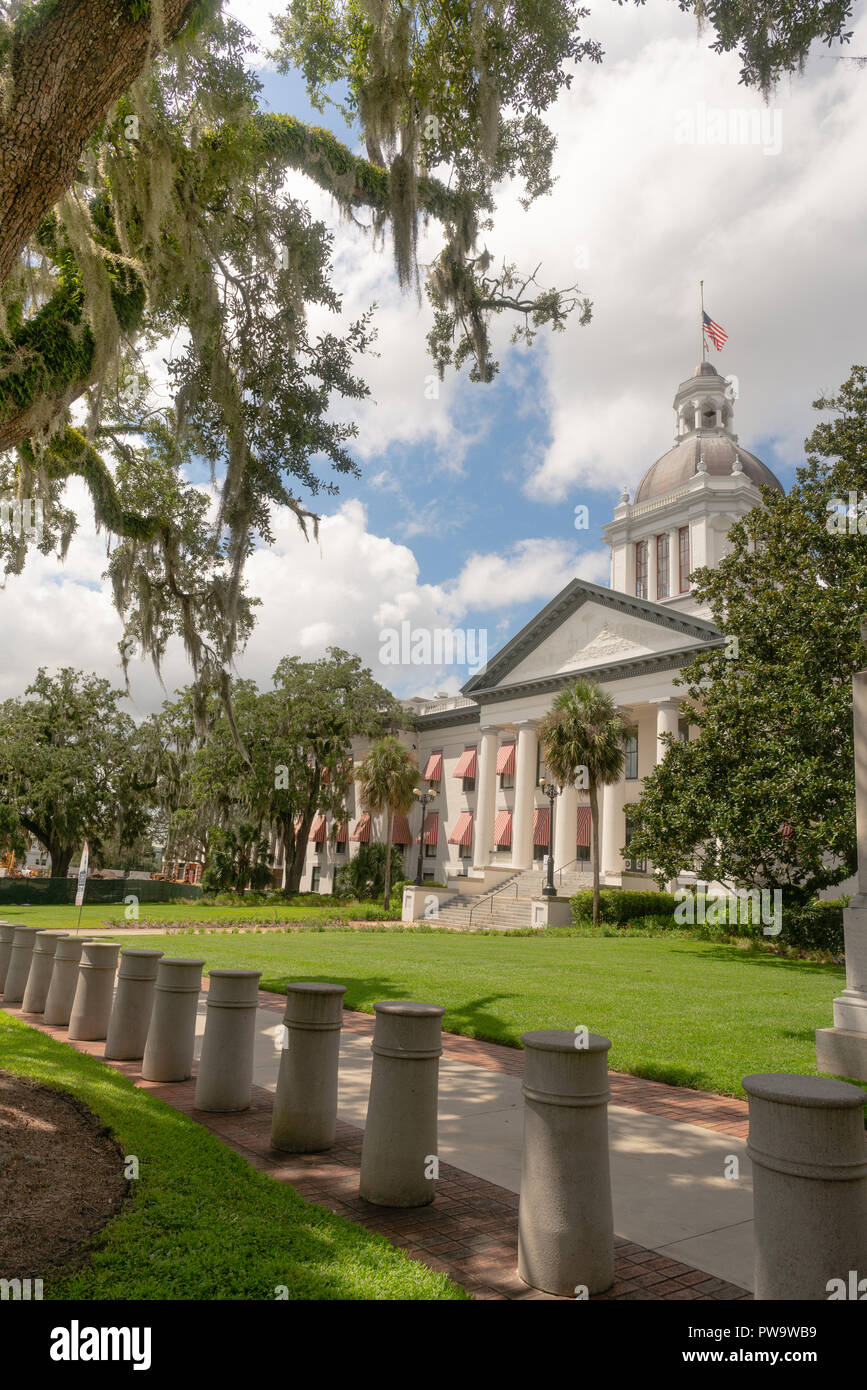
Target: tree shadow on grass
[731, 954]
[472, 1019]
[674, 1074]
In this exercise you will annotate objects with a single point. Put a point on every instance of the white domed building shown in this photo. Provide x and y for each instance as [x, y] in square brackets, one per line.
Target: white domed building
[487, 826]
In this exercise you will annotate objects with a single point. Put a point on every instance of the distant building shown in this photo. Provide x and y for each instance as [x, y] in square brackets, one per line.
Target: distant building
[480, 750]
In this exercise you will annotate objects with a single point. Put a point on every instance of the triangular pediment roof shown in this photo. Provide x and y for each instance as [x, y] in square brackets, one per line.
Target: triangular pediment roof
[588, 629]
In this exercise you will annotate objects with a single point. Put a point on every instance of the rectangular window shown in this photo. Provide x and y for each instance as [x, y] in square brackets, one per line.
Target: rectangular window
[662, 566]
[641, 569]
[465, 851]
[430, 851]
[631, 863]
[540, 851]
[541, 769]
[468, 784]
[630, 748]
[683, 543]
[340, 846]
[507, 781]
[683, 730]
[314, 879]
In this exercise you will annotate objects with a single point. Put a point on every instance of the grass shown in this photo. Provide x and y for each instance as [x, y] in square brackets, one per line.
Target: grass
[690, 1013]
[66, 918]
[202, 1223]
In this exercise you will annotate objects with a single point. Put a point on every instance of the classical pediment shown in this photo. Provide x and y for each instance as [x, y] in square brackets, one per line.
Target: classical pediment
[587, 626]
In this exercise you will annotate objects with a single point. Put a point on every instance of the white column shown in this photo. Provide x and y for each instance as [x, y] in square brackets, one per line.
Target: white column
[525, 798]
[566, 827]
[486, 797]
[651, 568]
[674, 562]
[667, 716]
[613, 827]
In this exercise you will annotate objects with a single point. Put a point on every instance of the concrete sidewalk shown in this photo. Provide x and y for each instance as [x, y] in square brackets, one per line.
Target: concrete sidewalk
[671, 1194]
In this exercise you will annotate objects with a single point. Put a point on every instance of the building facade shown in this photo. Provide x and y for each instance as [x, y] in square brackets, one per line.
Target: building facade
[479, 751]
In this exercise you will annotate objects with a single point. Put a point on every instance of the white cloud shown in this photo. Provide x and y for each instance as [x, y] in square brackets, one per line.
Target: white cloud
[345, 591]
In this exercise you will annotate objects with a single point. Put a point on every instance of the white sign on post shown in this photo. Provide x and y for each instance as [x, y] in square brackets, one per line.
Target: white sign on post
[82, 877]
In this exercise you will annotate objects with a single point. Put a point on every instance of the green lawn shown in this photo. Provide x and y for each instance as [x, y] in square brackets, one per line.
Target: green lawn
[689, 1013]
[66, 918]
[202, 1223]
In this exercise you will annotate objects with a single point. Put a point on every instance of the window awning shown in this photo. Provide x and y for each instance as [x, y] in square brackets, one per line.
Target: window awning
[431, 828]
[317, 830]
[362, 829]
[340, 832]
[463, 831]
[466, 764]
[505, 758]
[585, 823]
[400, 830]
[540, 826]
[503, 830]
[434, 770]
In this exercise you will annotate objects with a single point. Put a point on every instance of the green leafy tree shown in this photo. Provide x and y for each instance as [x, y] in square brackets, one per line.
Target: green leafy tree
[69, 765]
[386, 780]
[765, 794]
[12, 838]
[238, 859]
[145, 204]
[363, 877]
[585, 730]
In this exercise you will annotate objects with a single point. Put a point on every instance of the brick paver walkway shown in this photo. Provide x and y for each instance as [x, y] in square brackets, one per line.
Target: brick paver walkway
[471, 1231]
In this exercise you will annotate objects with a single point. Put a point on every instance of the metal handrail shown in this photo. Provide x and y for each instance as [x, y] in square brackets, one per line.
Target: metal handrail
[490, 897]
[564, 867]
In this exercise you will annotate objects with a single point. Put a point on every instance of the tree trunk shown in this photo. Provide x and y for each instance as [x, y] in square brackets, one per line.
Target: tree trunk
[594, 840]
[61, 857]
[389, 831]
[67, 69]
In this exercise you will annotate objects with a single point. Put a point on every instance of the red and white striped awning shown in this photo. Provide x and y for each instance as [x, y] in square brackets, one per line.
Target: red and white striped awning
[400, 830]
[540, 826]
[317, 830]
[340, 832]
[503, 830]
[585, 824]
[463, 831]
[431, 828]
[362, 829]
[434, 770]
[505, 758]
[466, 764]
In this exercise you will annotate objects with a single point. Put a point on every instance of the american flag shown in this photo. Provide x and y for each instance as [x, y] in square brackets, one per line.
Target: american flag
[713, 330]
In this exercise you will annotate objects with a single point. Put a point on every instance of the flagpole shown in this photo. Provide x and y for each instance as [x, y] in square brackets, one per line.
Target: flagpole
[703, 339]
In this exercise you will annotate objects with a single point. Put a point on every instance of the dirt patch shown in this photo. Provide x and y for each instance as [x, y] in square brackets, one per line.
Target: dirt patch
[61, 1178]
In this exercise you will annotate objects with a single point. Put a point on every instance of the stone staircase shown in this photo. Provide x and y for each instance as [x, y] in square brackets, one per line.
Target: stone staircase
[508, 907]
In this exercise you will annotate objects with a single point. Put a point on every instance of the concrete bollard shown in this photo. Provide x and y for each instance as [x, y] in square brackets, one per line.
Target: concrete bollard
[807, 1148]
[64, 978]
[400, 1137]
[168, 1054]
[133, 1005]
[7, 934]
[94, 991]
[225, 1076]
[20, 960]
[565, 1216]
[305, 1104]
[41, 970]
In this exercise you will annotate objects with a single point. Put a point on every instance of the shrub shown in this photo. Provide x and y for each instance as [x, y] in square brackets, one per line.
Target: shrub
[816, 926]
[621, 905]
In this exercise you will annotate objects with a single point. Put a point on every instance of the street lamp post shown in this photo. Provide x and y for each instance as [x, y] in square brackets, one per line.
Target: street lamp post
[552, 791]
[423, 797]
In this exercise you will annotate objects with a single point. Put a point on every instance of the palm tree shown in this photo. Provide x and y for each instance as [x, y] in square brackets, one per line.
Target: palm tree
[386, 780]
[585, 729]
